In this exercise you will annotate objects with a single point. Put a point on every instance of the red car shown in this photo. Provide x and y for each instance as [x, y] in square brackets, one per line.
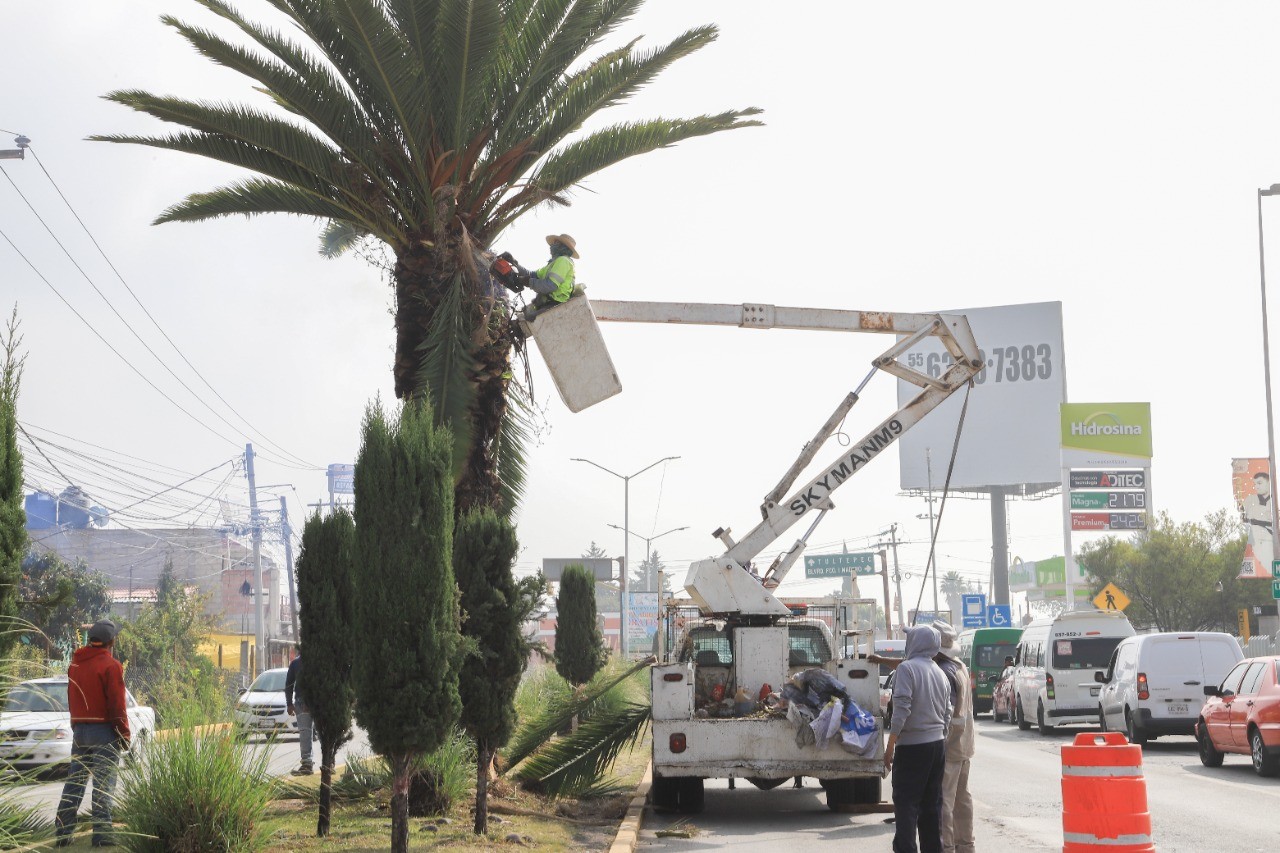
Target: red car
[1002, 697]
[1243, 715]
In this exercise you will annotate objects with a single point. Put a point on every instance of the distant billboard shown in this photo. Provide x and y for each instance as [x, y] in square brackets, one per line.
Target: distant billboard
[1251, 487]
[1106, 435]
[1011, 428]
[601, 567]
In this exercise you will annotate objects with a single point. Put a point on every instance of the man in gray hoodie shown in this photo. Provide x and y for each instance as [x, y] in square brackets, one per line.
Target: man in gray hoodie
[916, 749]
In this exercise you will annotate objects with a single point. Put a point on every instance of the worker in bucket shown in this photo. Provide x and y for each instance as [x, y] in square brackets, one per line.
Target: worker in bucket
[554, 282]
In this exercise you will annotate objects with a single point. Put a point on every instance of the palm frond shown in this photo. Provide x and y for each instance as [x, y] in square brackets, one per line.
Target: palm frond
[513, 440]
[559, 709]
[251, 198]
[469, 38]
[446, 368]
[569, 764]
[340, 237]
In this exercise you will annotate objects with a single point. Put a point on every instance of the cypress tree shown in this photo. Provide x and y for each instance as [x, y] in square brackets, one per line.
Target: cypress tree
[580, 649]
[13, 519]
[484, 551]
[407, 633]
[326, 592]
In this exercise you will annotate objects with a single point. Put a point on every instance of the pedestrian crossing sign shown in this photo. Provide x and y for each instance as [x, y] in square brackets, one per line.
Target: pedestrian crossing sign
[1111, 598]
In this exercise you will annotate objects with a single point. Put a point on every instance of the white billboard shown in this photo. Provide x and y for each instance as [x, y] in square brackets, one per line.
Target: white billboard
[1011, 431]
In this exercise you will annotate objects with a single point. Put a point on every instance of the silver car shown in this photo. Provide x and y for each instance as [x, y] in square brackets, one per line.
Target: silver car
[261, 709]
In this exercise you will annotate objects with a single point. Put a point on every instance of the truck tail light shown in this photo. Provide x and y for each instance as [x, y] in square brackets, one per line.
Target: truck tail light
[677, 742]
[1048, 685]
[1143, 691]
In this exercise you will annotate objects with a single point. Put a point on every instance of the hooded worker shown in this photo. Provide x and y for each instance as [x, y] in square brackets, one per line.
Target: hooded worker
[554, 282]
[916, 750]
[957, 804]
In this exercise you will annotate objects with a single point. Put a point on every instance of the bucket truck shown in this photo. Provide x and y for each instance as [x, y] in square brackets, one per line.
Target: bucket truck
[743, 637]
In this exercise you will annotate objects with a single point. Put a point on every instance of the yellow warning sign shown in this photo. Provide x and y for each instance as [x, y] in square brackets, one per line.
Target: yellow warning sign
[1111, 598]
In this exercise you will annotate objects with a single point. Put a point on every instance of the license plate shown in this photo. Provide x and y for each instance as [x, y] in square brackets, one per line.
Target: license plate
[265, 724]
[1179, 710]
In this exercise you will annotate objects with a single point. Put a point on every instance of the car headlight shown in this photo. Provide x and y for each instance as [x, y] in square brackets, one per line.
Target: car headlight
[62, 733]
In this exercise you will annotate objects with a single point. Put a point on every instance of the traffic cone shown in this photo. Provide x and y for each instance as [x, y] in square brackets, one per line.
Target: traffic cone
[1104, 796]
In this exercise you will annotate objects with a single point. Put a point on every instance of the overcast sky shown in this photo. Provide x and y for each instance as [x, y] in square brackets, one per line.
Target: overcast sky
[915, 157]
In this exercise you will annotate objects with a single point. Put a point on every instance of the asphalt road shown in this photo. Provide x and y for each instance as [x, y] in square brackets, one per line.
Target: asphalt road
[282, 758]
[1015, 780]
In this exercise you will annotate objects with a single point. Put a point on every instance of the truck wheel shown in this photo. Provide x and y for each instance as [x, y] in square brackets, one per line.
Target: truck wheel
[692, 794]
[663, 794]
[1021, 717]
[1044, 727]
[841, 794]
[866, 791]
[1137, 734]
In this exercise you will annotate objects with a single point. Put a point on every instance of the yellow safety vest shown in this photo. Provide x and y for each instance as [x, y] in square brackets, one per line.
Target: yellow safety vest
[560, 273]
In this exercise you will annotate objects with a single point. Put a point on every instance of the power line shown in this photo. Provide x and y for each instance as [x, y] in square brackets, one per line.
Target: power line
[159, 328]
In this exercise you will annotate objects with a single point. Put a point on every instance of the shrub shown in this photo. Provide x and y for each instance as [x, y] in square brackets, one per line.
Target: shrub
[196, 792]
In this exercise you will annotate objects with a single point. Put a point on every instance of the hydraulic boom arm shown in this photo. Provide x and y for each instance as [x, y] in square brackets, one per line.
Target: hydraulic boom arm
[724, 585]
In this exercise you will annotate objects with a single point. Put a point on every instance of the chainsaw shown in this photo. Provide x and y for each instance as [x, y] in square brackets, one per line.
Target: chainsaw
[506, 270]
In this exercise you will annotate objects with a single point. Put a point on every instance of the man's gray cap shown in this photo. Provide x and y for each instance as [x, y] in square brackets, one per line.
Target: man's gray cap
[103, 631]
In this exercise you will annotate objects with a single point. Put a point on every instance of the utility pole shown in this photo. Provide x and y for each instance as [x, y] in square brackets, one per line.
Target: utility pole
[287, 534]
[256, 523]
[897, 574]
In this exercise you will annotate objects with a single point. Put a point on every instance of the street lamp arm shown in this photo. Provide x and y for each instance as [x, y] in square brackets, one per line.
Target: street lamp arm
[659, 462]
[598, 465]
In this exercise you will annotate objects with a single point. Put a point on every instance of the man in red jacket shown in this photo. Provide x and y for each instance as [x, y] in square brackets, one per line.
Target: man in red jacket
[100, 732]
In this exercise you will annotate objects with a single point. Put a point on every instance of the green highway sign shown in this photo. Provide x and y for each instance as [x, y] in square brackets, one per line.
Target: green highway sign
[1275, 568]
[1275, 589]
[839, 565]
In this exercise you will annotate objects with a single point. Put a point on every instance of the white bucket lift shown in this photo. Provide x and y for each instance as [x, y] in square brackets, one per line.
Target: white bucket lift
[569, 339]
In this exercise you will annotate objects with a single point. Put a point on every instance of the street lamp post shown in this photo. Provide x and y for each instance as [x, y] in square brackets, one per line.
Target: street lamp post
[1274, 189]
[626, 540]
[648, 540]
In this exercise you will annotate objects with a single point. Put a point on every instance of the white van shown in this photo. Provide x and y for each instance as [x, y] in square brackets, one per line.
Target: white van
[1054, 666]
[1154, 683]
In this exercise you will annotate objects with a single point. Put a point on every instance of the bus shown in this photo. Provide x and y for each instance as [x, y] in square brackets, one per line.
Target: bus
[983, 650]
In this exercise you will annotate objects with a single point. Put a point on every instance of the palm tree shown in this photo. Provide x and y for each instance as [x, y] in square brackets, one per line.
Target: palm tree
[952, 586]
[430, 126]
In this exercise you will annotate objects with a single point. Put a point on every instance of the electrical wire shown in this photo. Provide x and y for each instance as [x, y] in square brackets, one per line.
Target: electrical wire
[159, 328]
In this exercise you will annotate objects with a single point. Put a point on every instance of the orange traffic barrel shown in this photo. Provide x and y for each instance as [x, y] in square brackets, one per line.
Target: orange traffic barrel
[1104, 796]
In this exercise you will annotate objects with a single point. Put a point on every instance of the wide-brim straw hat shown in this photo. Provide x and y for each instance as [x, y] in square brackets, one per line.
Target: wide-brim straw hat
[552, 239]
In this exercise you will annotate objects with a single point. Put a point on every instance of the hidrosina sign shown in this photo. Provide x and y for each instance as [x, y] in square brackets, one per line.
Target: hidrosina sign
[1106, 435]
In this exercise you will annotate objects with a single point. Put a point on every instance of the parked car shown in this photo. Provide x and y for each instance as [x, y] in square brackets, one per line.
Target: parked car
[1154, 683]
[1002, 697]
[1055, 662]
[261, 709]
[35, 725]
[1242, 715]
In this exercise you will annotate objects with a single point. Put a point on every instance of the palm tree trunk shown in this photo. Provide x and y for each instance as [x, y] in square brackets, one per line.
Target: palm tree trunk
[422, 282]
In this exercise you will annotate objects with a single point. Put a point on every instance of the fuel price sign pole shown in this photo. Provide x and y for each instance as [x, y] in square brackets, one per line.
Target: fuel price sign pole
[1106, 474]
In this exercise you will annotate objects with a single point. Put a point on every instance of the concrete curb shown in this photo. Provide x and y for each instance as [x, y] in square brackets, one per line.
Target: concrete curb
[629, 832]
[164, 734]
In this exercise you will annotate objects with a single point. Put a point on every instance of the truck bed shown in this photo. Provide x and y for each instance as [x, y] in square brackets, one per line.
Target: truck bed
[759, 747]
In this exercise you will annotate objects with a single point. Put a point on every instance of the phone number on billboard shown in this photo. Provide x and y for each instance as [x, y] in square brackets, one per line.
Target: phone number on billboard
[1005, 364]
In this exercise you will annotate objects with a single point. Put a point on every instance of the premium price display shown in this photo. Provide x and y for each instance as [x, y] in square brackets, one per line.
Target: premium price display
[1108, 521]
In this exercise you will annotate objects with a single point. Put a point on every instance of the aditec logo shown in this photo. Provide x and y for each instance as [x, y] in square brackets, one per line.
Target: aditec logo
[1111, 425]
